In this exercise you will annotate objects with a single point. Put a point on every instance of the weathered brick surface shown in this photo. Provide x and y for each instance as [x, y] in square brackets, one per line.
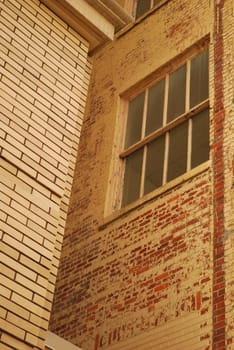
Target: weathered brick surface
[155, 276]
[148, 271]
[227, 131]
[44, 76]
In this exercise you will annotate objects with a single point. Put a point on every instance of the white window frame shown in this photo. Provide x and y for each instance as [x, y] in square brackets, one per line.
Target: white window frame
[113, 207]
[188, 114]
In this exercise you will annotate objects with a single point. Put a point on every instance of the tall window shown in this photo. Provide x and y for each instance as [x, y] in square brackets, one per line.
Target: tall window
[143, 6]
[167, 131]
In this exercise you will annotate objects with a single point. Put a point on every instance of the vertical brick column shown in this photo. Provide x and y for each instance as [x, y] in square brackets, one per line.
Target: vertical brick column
[218, 163]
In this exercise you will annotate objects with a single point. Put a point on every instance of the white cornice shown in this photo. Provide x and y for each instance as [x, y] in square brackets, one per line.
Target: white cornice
[95, 20]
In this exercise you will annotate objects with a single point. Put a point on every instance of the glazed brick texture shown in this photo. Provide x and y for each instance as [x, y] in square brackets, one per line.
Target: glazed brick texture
[44, 75]
[127, 283]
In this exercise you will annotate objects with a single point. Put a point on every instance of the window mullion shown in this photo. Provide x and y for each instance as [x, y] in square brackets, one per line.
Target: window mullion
[165, 100]
[187, 95]
[165, 165]
[187, 107]
[145, 147]
[189, 150]
[144, 114]
[143, 171]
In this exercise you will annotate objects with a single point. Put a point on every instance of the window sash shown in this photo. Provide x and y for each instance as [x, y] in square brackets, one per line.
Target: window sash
[143, 6]
[185, 78]
[157, 133]
[193, 152]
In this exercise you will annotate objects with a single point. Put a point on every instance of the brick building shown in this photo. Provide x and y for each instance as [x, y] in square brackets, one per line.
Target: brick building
[147, 255]
[44, 76]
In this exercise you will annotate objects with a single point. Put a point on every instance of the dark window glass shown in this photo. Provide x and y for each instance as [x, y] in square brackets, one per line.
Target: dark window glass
[155, 107]
[134, 124]
[177, 158]
[176, 94]
[142, 7]
[154, 164]
[200, 138]
[132, 179]
[199, 79]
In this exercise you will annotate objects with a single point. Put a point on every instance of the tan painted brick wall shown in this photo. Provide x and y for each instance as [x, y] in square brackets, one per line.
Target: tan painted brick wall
[44, 75]
[145, 279]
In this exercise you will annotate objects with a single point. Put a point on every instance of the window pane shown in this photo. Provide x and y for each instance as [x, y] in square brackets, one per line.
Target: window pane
[155, 107]
[176, 94]
[177, 158]
[199, 79]
[142, 7]
[200, 138]
[154, 164]
[134, 124]
[132, 178]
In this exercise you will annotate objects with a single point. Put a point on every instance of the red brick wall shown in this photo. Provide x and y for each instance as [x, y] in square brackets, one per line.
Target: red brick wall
[147, 270]
[153, 276]
[219, 340]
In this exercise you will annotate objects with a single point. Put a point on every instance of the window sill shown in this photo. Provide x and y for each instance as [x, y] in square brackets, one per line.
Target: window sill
[154, 194]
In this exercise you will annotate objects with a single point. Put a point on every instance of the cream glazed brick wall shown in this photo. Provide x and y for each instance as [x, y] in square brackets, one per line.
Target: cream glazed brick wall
[44, 75]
